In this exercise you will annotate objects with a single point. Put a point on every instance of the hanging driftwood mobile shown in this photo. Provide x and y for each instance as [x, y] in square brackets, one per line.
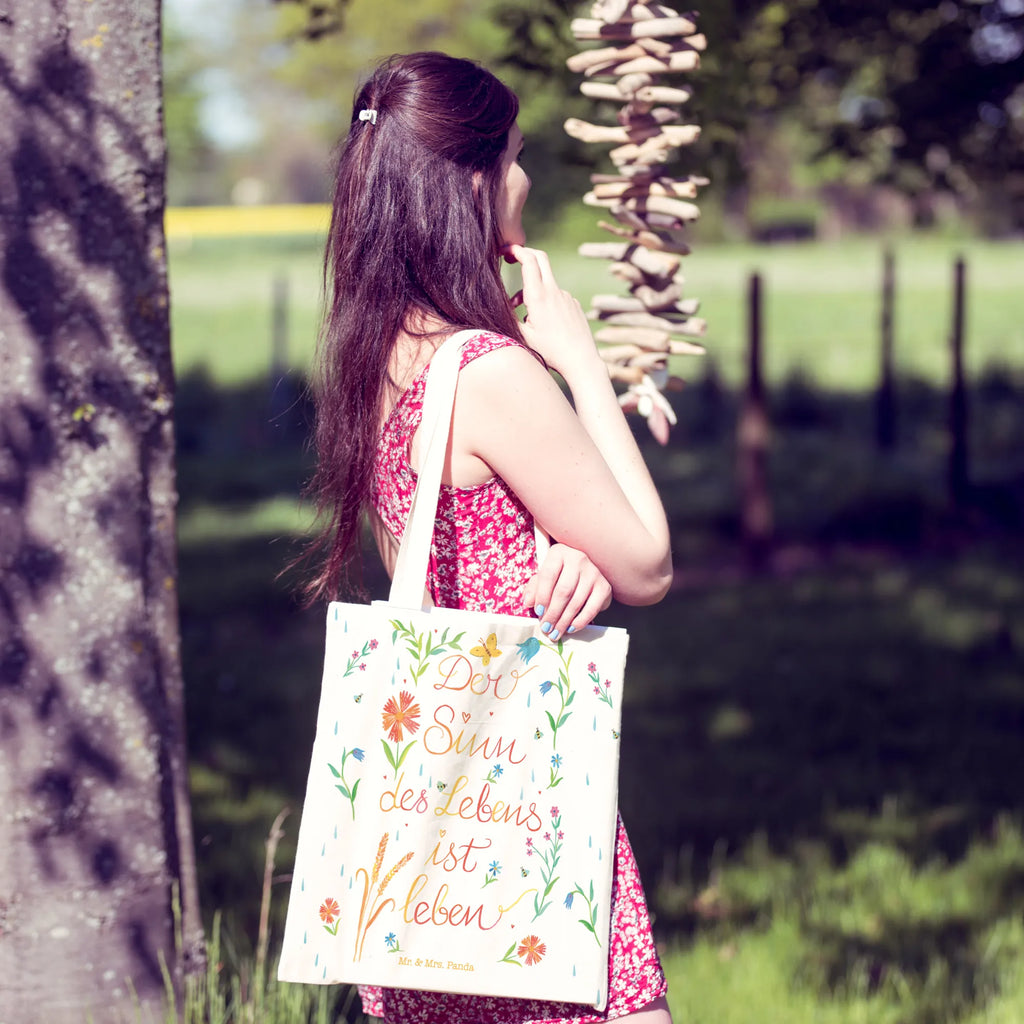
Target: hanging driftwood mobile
[644, 41]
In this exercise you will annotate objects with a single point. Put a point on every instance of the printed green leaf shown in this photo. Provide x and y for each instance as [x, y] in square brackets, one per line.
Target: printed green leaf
[586, 924]
[404, 755]
[572, 697]
[334, 771]
[389, 755]
[551, 720]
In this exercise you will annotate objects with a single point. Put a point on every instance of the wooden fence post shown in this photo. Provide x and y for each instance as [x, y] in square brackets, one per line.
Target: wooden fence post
[885, 399]
[282, 390]
[753, 438]
[958, 468]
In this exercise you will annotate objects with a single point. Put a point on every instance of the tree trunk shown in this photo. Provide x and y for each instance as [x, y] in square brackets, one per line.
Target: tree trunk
[93, 794]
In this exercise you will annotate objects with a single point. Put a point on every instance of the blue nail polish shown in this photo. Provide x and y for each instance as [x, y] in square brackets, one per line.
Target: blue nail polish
[554, 635]
[545, 627]
[538, 610]
[571, 629]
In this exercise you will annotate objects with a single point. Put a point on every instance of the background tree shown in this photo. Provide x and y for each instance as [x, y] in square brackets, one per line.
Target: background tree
[96, 823]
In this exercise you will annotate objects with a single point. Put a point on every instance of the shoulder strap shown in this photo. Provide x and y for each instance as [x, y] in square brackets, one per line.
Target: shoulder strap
[408, 585]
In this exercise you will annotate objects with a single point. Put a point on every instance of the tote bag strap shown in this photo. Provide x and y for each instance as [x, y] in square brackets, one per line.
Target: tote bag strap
[408, 585]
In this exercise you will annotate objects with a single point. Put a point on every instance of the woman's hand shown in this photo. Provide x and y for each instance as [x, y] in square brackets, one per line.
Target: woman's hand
[555, 326]
[567, 591]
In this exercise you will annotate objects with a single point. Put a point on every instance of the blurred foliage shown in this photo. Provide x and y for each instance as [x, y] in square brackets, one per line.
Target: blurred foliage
[910, 93]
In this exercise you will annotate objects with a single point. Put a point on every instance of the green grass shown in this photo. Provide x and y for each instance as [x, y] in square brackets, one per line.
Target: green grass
[820, 765]
[821, 305]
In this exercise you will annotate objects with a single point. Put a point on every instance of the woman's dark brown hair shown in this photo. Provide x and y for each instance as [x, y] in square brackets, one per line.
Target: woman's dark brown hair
[413, 239]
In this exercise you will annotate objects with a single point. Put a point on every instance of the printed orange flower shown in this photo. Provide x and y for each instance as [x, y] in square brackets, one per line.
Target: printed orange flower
[399, 715]
[533, 949]
[329, 910]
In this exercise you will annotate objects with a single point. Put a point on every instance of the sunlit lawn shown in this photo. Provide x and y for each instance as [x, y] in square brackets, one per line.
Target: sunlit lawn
[821, 767]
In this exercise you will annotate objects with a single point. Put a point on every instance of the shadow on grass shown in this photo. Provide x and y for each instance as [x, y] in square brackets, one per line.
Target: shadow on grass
[868, 691]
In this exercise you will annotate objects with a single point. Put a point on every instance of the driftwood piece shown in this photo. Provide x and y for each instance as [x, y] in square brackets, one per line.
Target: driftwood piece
[684, 60]
[610, 10]
[651, 128]
[658, 240]
[642, 338]
[645, 93]
[594, 28]
[657, 264]
[638, 316]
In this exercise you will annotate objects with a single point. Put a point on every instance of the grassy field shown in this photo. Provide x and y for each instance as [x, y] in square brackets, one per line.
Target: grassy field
[821, 305]
[842, 838]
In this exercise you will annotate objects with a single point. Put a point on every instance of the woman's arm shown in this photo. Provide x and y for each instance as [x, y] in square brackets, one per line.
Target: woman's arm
[579, 472]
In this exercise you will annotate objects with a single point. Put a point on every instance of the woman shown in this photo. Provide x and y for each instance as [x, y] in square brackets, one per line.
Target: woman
[428, 199]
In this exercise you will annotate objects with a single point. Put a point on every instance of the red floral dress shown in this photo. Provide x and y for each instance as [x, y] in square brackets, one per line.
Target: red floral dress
[483, 555]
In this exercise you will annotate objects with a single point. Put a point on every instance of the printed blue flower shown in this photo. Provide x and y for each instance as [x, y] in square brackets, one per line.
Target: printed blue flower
[544, 687]
[390, 939]
[568, 900]
[358, 754]
[556, 760]
[494, 868]
[528, 648]
[497, 770]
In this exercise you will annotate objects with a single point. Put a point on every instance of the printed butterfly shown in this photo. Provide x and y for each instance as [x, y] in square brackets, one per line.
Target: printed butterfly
[488, 649]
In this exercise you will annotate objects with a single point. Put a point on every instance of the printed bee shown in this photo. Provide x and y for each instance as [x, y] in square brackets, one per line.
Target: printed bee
[440, 786]
[537, 734]
[524, 872]
[358, 697]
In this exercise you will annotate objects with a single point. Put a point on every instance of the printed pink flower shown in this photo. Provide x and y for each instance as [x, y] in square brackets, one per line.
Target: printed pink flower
[373, 645]
[329, 910]
[591, 667]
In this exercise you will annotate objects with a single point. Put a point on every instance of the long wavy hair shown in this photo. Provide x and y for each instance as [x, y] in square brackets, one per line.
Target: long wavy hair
[413, 240]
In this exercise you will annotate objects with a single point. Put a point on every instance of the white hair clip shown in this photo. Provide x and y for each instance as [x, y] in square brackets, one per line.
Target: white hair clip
[369, 114]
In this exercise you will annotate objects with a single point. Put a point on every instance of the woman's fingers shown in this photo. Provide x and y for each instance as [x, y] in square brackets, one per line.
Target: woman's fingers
[567, 592]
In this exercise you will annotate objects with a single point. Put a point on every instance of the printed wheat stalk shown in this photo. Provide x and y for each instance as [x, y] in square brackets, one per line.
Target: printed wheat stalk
[375, 908]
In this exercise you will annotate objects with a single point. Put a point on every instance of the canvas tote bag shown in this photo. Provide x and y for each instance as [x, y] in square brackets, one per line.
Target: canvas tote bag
[458, 831]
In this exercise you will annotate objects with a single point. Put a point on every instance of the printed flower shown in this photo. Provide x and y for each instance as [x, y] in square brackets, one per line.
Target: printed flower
[358, 754]
[597, 690]
[568, 900]
[561, 834]
[403, 714]
[355, 655]
[529, 841]
[497, 770]
[532, 949]
[494, 869]
[373, 645]
[545, 686]
[547, 837]
[362, 666]
[554, 812]
[528, 648]
[556, 760]
[329, 910]
[391, 940]
[591, 667]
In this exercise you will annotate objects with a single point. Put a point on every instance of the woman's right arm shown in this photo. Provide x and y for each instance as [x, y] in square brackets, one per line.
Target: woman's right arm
[578, 471]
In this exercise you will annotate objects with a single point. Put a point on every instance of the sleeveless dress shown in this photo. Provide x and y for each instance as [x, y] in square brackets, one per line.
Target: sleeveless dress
[483, 555]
